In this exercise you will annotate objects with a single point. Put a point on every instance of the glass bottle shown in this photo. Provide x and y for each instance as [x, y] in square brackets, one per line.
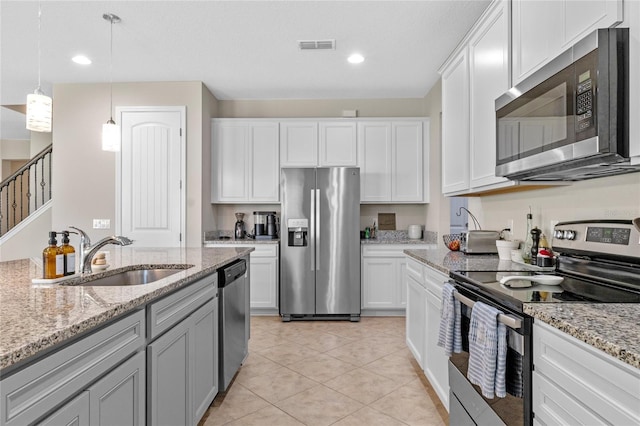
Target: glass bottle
[52, 259]
[528, 240]
[69, 254]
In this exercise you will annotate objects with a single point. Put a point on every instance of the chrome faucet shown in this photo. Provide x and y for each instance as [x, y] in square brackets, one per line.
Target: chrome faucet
[87, 251]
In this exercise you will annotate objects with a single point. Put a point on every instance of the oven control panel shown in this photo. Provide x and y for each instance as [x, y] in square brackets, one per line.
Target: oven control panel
[611, 237]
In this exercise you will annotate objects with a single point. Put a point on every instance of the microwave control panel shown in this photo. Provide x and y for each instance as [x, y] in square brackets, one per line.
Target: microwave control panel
[585, 93]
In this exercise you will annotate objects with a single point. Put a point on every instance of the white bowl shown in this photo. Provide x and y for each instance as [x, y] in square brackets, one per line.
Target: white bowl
[98, 268]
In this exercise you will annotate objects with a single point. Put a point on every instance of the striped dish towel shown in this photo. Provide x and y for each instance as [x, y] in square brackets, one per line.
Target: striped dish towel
[449, 335]
[487, 351]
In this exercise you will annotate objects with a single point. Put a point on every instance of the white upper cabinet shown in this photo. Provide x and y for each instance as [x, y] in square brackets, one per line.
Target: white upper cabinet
[488, 80]
[245, 161]
[338, 144]
[455, 124]
[299, 144]
[317, 143]
[543, 29]
[632, 20]
[392, 161]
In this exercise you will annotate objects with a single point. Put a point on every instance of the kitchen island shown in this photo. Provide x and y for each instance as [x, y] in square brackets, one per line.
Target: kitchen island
[36, 318]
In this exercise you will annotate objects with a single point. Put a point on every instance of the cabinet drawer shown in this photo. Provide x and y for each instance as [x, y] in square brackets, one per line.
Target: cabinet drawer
[415, 270]
[595, 379]
[434, 281]
[265, 250]
[552, 406]
[39, 388]
[388, 250]
[167, 312]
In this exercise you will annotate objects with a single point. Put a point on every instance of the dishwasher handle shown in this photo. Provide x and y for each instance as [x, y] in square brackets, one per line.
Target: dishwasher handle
[232, 272]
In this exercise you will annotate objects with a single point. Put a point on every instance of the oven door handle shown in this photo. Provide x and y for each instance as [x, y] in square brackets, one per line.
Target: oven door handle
[507, 320]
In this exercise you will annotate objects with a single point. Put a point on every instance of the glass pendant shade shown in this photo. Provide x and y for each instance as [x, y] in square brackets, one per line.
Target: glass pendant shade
[39, 112]
[110, 136]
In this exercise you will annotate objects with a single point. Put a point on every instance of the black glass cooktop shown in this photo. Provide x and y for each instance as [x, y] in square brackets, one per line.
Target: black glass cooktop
[518, 291]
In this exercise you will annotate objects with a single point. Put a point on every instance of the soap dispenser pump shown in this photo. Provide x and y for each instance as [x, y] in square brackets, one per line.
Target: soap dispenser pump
[52, 259]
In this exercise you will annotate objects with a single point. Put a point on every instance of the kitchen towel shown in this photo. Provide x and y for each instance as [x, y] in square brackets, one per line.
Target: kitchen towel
[449, 335]
[487, 351]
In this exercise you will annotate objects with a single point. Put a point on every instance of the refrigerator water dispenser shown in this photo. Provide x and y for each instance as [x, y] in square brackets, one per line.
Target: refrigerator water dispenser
[298, 230]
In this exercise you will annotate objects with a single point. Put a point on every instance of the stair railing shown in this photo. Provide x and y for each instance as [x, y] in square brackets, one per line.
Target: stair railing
[26, 190]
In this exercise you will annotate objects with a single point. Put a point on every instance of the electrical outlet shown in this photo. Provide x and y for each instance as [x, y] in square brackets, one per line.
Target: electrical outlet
[101, 223]
[510, 226]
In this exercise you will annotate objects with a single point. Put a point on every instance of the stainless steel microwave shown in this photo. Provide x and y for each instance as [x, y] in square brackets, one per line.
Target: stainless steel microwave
[569, 120]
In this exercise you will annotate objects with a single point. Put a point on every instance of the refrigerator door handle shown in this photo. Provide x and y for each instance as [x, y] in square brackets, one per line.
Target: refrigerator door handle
[317, 245]
[312, 230]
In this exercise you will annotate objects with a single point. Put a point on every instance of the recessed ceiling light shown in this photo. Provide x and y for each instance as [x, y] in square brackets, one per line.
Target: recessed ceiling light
[81, 59]
[355, 58]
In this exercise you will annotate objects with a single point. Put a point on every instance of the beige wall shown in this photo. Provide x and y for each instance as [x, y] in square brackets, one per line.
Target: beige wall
[28, 239]
[320, 108]
[437, 211]
[209, 109]
[84, 175]
[616, 197]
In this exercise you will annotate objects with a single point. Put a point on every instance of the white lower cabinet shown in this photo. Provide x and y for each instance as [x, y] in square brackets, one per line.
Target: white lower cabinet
[416, 319]
[424, 288]
[182, 375]
[435, 366]
[264, 267]
[383, 282]
[576, 384]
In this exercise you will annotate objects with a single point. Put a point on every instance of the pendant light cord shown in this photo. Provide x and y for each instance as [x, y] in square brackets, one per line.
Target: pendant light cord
[39, 37]
[111, 70]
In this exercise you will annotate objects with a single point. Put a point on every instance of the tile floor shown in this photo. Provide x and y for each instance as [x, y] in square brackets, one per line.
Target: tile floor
[328, 373]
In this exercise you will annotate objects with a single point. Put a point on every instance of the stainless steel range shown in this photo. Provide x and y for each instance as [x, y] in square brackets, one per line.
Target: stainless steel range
[598, 261]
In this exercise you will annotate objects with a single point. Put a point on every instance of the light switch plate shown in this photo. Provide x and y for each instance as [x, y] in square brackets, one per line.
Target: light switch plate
[101, 223]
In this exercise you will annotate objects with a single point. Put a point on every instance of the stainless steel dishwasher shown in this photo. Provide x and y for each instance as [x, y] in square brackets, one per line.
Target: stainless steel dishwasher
[232, 282]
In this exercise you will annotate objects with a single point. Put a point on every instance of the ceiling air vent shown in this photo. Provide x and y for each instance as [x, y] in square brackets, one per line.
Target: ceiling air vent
[316, 44]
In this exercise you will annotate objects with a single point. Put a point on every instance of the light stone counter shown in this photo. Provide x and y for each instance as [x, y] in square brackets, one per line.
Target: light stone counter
[35, 318]
[613, 328]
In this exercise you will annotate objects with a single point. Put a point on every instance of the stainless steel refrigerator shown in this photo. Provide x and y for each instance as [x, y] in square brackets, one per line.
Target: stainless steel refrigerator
[320, 243]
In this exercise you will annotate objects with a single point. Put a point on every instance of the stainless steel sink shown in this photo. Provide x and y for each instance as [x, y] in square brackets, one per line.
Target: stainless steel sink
[135, 276]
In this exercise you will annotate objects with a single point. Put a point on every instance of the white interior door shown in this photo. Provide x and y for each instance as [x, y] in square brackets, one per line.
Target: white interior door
[151, 174]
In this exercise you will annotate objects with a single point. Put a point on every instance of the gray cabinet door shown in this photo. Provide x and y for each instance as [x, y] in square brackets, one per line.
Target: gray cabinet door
[169, 400]
[205, 357]
[73, 413]
[119, 397]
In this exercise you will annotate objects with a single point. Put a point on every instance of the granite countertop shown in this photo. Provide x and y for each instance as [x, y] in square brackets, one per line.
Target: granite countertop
[244, 241]
[400, 237]
[38, 317]
[610, 327]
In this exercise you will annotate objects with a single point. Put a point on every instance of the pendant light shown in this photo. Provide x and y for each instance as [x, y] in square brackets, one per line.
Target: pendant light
[110, 130]
[39, 104]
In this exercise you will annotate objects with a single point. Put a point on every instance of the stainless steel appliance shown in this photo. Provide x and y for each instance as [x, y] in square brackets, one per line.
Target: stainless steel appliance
[320, 251]
[261, 225]
[569, 120]
[479, 242]
[233, 282]
[599, 262]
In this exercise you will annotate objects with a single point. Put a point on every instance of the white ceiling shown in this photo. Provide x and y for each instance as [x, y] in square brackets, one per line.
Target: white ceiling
[239, 49]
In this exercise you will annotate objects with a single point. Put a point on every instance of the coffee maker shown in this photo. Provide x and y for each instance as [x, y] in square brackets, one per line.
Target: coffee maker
[265, 226]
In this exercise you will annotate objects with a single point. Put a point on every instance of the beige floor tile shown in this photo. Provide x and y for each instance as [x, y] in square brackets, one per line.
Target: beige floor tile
[410, 404]
[363, 385]
[369, 377]
[319, 406]
[367, 416]
[278, 384]
[269, 416]
[321, 367]
[255, 365]
[237, 403]
[287, 353]
[395, 366]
